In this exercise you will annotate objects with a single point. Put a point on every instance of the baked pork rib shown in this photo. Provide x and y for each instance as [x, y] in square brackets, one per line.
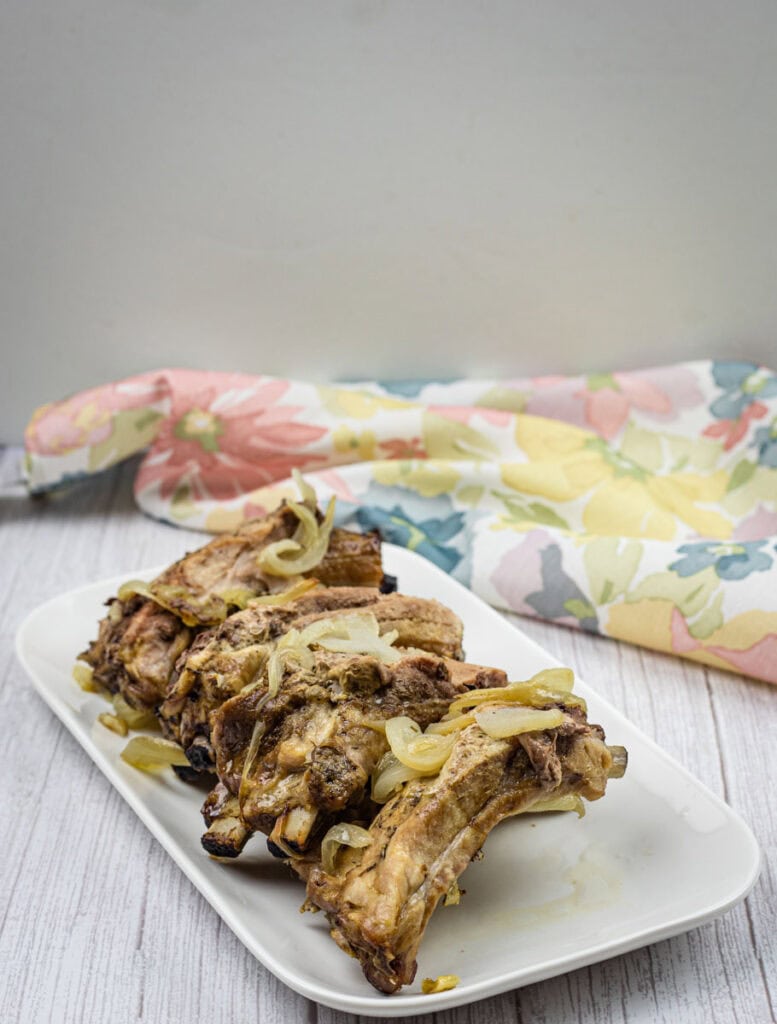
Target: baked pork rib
[320, 738]
[142, 637]
[380, 898]
[225, 659]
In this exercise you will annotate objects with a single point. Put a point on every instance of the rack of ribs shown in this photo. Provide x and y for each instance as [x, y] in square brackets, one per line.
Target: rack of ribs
[379, 898]
[143, 635]
[291, 764]
[223, 660]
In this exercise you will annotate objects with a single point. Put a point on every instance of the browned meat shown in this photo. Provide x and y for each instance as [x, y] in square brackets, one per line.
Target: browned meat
[321, 736]
[192, 587]
[380, 898]
[141, 639]
[225, 659]
[136, 649]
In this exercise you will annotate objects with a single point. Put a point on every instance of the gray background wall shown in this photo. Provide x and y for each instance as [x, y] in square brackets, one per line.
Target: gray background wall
[359, 187]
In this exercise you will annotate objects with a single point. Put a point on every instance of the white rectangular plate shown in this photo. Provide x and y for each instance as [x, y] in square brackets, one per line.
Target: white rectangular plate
[658, 855]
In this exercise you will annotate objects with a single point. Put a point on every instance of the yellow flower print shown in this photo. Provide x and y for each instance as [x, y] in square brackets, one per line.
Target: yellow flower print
[625, 498]
[200, 425]
[543, 439]
[610, 564]
[427, 477]
[359, 445]
[653, 507]
[451, 439]
[357, 405]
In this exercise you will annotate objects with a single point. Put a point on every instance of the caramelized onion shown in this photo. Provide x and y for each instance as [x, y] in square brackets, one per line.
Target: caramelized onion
[306, 492]
[151, 753]
[305, 551]
[135, 719]
[342, 834]
[132, 587]
[429, 986]
[114, 723]
[423, 752]
[569, 802]
[500, 721]
[290, 594]
[389, 775]
[84, 676]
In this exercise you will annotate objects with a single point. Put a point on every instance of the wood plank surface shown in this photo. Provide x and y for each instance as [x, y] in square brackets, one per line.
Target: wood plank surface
[98, 925]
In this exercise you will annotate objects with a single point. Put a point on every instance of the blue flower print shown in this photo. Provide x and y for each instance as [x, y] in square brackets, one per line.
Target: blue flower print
[765, 440]
[422, 536]
[742, 384]
[429, 526]
[407, 388]
[732, 561]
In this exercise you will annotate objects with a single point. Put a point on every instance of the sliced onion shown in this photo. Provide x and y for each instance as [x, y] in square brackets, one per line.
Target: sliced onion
[290, 594]
[569, 802]
[134, 718]
[501, 721]
[253, 748]
[305, 553]
[453, 895]
[342, 834]
[388, 776]
[84, 676]
[423, 752]
[132, 587]
[239, 597]
[354, 634]
[114, 723]
[443, 983]
[449, 725]
[528, 693]
[553, 678]
[274, 673]
[306, 492]
[151, 753]
[211, 609]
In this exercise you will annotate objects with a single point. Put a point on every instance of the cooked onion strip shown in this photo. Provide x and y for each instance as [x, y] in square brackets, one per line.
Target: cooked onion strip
[453, 895]
[151, 753]
[535, 692]
[569, 802]
[306, 550]
[132, 587]
[306, 492]
[500, 721]
[253, 749]
[388, 776]
[114, 723]
[429, 986]
[290, 594]
[423, 752]
[342, 834]
[135, 719]
[84, 676]
[449, 725]
[237, 597]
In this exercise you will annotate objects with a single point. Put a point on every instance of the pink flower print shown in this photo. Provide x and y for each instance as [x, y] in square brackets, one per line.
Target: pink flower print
[464, 413]
[87, 418]
[224, 438]
[403, 448]
[610, 396]
[732, 431]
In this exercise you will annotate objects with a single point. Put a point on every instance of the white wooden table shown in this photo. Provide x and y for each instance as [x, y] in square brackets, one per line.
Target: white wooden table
[98, 925]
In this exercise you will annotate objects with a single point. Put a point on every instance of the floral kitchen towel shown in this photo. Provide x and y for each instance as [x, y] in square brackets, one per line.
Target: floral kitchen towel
[638, 505]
